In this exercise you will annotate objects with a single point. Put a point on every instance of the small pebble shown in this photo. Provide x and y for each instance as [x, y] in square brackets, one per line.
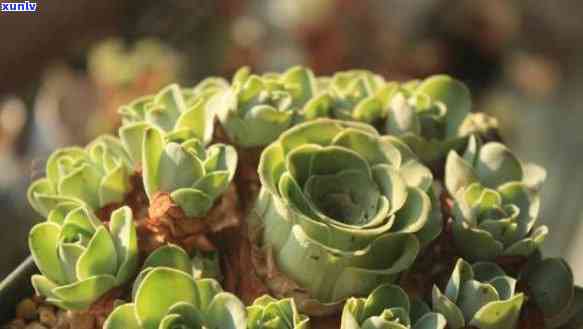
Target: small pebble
[62, 320]
[79, 320]
[46, 315]
[35, 325]
[26, 309]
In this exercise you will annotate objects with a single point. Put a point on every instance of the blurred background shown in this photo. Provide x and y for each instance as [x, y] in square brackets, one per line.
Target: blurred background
[67, 67]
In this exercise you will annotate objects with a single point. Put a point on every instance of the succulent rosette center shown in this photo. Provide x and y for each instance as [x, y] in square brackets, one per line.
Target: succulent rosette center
[496, 203]
[342, 207]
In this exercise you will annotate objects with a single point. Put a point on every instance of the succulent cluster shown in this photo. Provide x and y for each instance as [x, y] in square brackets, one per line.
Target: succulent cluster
[479, 295]
[496, 202]
[359, 180]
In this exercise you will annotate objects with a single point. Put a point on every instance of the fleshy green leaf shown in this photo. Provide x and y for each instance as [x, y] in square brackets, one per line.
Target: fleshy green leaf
[42, 241]
[41, 186]
[431, 321]
[123, 317]
[366, 145]
[458, 173]
[213, 184]
[391, 185]
[100, 257]
[550, 283]
[152, 149]
[82, 184]
[43, 286]
[124, 235]
[415, 212]
[132, 138]
[368, 110]
[177, 168]
[226, 312]
[221, 157]
[442, 304]
[402, 118]
[114, 186]
[159, 290]
[476, 244]
[318, 107]
[170, 256]
[499, 315]
[496, 165]
[195, 203]
[333, 159]
[199, 120]
[271, 167]
[453, 94]
[81, 294]
[461, 273]
[475, 295]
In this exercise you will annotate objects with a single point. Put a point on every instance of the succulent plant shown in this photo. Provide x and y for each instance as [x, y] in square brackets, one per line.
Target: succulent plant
[192, 175]
[428, 114]
[180, 113]
[479, 296]
[81, 259]
[168, 298]
[268, 312]
[388, 306]
[257, 109]
[345, 209]
[95, 176]
[342, 209]
[495, 208]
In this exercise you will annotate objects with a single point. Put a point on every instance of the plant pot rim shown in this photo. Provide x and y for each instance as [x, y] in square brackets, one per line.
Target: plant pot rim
[15, 287]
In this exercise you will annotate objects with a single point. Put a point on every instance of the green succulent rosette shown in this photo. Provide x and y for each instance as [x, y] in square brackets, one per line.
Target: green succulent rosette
[258, 108]
[351, 95]
[268, 312]
[388, 306]
[342, 209]
[428, 115]
[549, 284]
[180, 113]
[495, 204]
[169, 298]
[79, 258]
[193, 176]
[95, 176]
[479, 296]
